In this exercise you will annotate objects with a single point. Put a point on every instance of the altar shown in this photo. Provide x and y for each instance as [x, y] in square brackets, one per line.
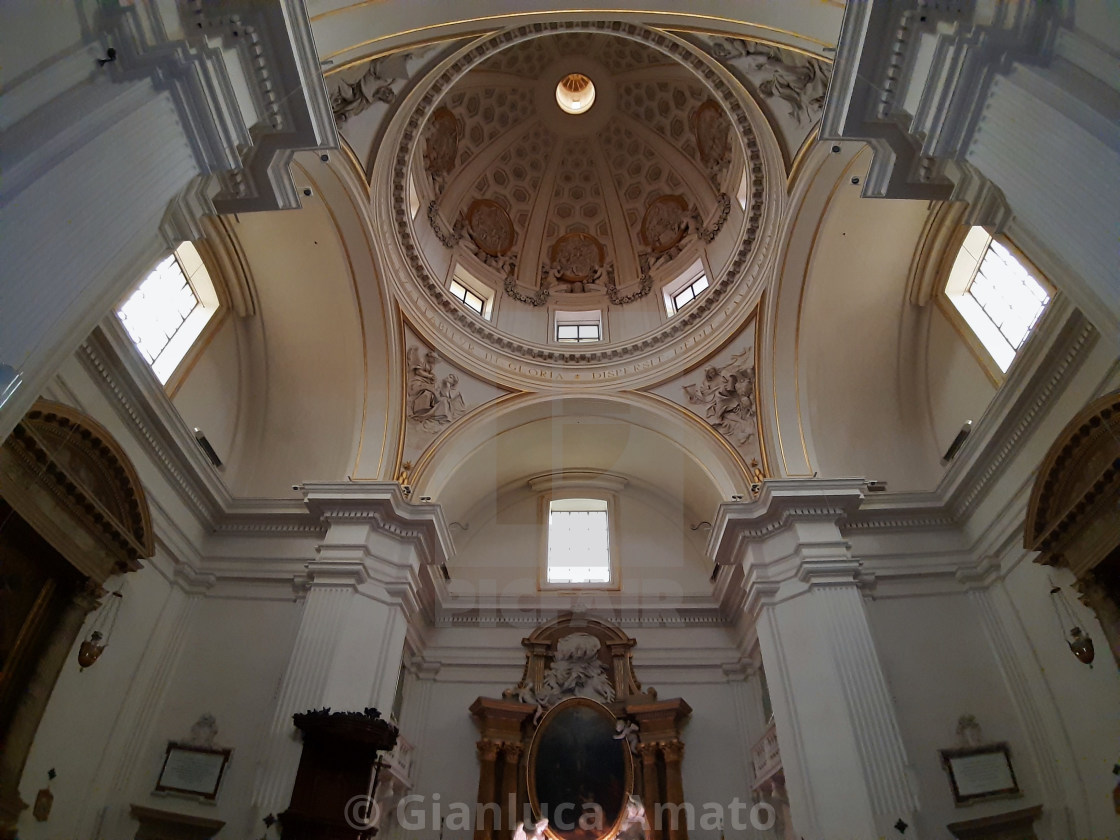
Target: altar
[578, 748]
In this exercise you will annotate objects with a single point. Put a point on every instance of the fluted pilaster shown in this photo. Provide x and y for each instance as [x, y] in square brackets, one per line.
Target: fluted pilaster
[301, 689]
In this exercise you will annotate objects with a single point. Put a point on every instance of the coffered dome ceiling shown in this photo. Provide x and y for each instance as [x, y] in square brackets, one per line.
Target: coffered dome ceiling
[571, 191]
[596, 211]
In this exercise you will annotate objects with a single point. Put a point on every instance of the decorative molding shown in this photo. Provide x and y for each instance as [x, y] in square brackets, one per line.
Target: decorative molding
[713, 298]
[1060, 360]
[1071, 517]
[68, 477]
[243, 155]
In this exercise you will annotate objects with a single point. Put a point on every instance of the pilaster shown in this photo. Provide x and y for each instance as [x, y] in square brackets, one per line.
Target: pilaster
[362, 591]
[827, 685]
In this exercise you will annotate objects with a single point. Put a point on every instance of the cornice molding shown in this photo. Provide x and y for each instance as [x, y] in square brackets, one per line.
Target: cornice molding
[701, 613]
[1037, 379]
[780, 504]
[383, 507]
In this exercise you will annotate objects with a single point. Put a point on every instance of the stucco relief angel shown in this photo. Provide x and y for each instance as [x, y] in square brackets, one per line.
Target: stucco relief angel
[728, 394]
[633, 825]
[799, 81]
[350, 97]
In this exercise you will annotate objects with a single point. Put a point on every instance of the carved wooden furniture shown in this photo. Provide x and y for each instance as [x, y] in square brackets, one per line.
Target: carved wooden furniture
[1073, 519]
[74, 514]
[337, 764]
[1014, 825]
[507, 727]
[167, 825]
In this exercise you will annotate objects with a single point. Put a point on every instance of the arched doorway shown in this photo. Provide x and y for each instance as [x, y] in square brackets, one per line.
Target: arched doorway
[1074, 518]
[72, 513]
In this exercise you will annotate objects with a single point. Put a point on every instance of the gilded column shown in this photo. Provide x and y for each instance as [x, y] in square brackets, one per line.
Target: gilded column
[511, 755]
[484, 817]
[674, 789]
[651, 795]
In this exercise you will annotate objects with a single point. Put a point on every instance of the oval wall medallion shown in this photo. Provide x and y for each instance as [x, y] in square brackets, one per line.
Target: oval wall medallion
[442, 143]
[663, 225]
[577, 255]
[490, 227]
[577, 767]
[712, 129]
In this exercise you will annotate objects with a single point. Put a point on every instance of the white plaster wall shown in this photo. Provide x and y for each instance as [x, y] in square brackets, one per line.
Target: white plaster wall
[36, 34]
[85, 711]
[939, 666]
[959, 390]
[303, 352]
[857, 343]
[208, 398]
[659, 554]
[233, 658]
[1086, 701]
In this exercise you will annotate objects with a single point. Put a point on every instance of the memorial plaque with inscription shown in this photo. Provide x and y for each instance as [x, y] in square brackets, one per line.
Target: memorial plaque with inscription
[980, 772]
[196, 771]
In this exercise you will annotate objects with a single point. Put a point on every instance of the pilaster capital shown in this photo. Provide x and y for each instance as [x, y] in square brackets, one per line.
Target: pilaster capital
[323, 573]
[812, 508]
[487, 749]
[980, 576]
[649, 752]
[672, 750]
[832, 571]
[511, 752]
[367, 512]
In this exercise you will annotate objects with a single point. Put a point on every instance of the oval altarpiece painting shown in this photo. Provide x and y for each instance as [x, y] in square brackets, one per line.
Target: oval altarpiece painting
[580, 774]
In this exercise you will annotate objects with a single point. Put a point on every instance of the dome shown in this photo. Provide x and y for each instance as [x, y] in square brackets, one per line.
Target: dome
[577, 174]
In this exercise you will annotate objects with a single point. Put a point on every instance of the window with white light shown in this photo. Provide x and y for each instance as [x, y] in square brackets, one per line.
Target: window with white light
[467, 296]
[579, 549]
[575, 333]
[999, 296]
[688, 286]
[471, 292]
[167, 312]
[579, 327]
[689, 293]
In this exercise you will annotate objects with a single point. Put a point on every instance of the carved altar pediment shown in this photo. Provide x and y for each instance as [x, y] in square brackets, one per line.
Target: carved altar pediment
[65, 475]
[1073, 519]
[573, 656]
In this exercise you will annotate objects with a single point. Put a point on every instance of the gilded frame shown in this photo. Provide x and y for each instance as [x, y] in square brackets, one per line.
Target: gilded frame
[611, 831]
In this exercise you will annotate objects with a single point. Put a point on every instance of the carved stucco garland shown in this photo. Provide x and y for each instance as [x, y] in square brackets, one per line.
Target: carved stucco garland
[483, 331]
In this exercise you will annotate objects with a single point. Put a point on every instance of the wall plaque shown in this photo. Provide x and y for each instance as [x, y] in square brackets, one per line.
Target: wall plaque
[192, 770]
[980, 772]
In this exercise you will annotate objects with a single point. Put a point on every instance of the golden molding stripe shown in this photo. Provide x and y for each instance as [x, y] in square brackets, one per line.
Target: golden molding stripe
[513, 16]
